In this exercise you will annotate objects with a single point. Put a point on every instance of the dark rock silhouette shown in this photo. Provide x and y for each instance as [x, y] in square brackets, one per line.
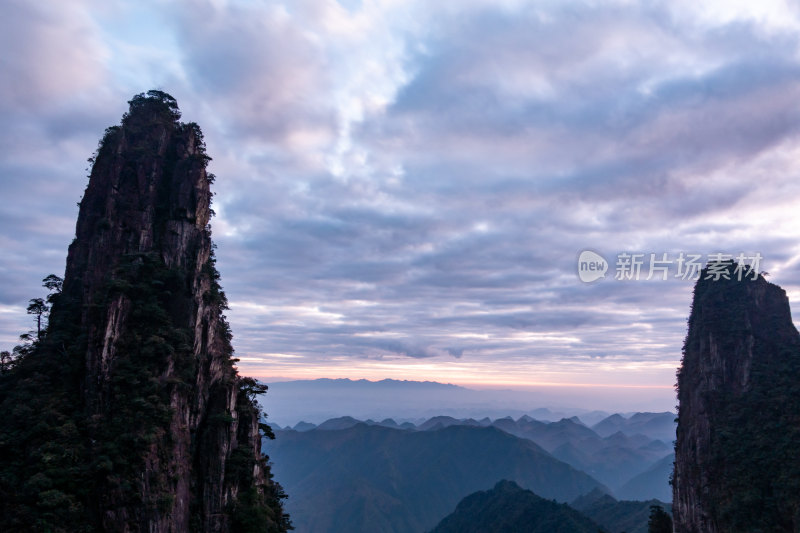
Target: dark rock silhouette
[167, 432]
[736, 459]
[509, 508]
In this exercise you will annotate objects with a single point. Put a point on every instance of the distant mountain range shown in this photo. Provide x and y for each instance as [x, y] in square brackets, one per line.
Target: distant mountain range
[613, 459]
[634, 465]
[650, 482]
[370, 478]
[289, 402]
[657, 425]
[352, 475]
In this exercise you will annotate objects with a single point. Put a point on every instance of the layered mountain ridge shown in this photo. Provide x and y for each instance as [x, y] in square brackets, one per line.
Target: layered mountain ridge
[380, 479]
[642, 460]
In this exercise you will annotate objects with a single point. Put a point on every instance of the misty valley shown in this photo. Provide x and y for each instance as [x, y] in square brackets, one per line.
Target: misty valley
[407, 475]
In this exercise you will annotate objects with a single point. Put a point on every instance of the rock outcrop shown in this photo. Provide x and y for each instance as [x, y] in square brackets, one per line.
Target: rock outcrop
[737, 465]
[136, 370]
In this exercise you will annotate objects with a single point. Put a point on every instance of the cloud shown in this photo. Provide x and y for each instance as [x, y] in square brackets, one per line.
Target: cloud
[410, 183]
[49, 54]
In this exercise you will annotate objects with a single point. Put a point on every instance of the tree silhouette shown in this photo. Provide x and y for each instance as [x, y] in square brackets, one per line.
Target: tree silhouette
[53, 283]
[37, 307]
[5, 361]
[660, 521]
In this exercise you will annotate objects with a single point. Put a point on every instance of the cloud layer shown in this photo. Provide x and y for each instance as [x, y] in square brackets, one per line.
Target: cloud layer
[404, 187]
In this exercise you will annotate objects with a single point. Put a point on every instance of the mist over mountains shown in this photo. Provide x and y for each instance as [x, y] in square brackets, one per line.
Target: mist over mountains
[374, 478]
[398, 455]
[346, 474]
[315, 401]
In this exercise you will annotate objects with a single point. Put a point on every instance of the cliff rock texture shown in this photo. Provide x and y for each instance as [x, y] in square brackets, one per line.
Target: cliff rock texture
[737, 461]
[127, 413]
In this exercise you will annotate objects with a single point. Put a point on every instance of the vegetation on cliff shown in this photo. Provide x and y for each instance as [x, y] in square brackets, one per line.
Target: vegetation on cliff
[125, 411]
[737, 467]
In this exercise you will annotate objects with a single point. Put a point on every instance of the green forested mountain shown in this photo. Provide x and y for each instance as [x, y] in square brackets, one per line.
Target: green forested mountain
[507, 508]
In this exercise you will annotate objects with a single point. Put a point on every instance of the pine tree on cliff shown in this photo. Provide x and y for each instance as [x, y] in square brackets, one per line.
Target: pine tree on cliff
[737, 460]
[126, 413]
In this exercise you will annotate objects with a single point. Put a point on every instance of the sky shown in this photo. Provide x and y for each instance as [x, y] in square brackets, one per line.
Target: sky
[404, 188]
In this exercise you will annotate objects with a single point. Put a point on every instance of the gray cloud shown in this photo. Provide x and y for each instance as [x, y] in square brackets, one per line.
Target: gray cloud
[413, 182]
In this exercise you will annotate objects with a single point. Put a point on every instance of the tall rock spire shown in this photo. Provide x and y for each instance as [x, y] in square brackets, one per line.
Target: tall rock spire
[166, 433]
[737, 464]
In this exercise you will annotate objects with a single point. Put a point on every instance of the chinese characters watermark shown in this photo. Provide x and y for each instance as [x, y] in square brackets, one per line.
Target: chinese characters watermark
[631, 266]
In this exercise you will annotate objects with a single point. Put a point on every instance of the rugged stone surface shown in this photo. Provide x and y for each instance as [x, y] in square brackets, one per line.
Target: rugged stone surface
[738, 390]
[167, 433]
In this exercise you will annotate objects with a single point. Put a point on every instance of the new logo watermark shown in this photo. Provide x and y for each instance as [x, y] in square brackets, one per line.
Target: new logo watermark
[591, 266]
[664, 265]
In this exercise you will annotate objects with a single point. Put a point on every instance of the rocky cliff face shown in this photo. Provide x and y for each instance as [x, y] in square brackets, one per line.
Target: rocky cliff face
[164, 433]
[736, 459]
